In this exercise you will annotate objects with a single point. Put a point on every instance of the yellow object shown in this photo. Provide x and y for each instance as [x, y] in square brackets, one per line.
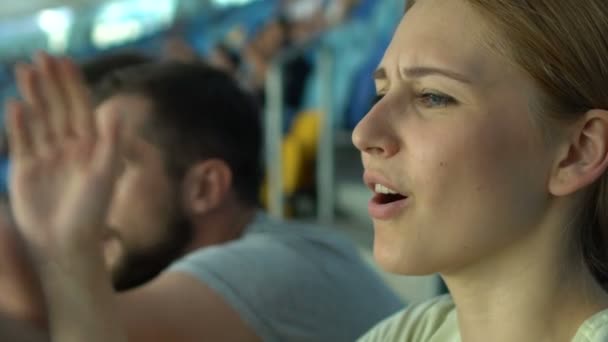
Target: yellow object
[305, 128]
[292, 168]
[299, 150]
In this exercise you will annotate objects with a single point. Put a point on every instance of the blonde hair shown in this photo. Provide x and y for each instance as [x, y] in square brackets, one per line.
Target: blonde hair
[563, 46]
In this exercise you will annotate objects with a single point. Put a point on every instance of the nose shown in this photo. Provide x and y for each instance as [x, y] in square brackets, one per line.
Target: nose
[375, 134]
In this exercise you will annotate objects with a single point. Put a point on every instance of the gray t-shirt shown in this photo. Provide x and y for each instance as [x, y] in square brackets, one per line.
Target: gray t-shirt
[294, 282]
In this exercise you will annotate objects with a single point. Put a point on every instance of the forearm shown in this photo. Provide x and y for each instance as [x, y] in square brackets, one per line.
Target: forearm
[80, 298]
[18, 331]
[22, 300]
[21, 296]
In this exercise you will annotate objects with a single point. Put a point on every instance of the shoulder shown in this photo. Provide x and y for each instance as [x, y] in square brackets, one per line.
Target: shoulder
[270, 243]
[294, 280]
[176, 306]
[416, 323]
[275, 257]
[594, 329]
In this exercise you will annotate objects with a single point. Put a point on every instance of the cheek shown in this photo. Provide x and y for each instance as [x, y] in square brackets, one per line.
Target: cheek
[476, 187]
[489, 166]
[141, 207]
[488, 152]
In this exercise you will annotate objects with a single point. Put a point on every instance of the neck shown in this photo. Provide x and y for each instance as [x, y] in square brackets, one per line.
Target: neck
[529, 292]
[223, 224]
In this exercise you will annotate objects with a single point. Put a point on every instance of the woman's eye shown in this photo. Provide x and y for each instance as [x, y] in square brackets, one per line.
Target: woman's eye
[434, 100]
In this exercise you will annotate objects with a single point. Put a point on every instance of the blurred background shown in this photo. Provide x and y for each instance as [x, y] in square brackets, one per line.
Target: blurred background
[308, 61]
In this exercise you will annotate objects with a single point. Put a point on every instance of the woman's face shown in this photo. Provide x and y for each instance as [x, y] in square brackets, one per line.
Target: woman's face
[454, 136]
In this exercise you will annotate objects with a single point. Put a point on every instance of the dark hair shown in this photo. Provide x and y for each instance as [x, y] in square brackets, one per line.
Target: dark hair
[199, 112]
[98, 67]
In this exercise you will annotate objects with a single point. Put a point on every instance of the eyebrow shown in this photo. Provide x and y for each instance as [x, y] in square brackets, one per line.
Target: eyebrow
[422, 71]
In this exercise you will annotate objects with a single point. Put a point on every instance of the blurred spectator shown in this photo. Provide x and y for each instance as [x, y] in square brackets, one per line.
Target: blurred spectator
[306, 19]
[270, 41]
[188, 197]
[310, 18]
[339, 10]
[225, 58]
[264, 46]
[177, 48]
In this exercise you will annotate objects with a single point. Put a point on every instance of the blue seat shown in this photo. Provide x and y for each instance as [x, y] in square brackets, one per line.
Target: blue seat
[348, 44]
[363, 91]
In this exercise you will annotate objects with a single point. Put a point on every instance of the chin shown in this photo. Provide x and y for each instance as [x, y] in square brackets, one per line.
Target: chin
[395, 255]
[397, 265]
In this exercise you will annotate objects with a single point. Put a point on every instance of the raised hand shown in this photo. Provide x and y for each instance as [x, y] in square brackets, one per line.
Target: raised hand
[64, 163]
[63, 159]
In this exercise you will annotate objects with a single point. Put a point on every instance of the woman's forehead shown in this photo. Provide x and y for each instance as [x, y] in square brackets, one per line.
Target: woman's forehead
[447, 24]
[444, 33]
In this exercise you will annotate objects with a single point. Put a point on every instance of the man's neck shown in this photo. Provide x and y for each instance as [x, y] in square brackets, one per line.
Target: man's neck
[531, 292]
[222, 225]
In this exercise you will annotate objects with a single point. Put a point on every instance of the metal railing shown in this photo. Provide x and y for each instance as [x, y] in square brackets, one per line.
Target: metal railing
[273, 123]
[273, 137]
[325, 152]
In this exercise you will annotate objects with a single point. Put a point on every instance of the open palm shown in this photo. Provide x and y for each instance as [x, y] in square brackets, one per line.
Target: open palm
[63, 159]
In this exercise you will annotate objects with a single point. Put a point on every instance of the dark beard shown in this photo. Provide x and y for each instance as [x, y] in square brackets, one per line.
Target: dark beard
[139, 267]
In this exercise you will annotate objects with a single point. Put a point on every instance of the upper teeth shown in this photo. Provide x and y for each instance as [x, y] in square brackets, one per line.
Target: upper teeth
[381, 189]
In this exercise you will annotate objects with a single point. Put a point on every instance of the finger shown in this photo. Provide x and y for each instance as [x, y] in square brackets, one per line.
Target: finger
[80, 99]
[28, 82]
[19, 137]
[54, 94]
[109, 145]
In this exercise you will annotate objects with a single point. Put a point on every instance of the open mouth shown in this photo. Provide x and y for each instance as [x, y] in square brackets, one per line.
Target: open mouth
[387, 199]
[385, 195]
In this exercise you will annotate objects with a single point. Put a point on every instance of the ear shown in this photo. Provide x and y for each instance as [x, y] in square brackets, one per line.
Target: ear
[584, 158]
[206, 186]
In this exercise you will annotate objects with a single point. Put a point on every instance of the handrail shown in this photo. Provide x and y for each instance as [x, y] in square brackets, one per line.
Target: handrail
[325, 152]
[273, 134]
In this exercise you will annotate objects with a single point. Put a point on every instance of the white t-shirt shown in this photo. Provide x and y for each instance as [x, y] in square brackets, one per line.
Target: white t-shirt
[436, 321]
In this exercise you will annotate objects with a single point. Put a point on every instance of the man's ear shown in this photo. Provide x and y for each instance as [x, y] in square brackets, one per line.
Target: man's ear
[206, 186]
[583, 158]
